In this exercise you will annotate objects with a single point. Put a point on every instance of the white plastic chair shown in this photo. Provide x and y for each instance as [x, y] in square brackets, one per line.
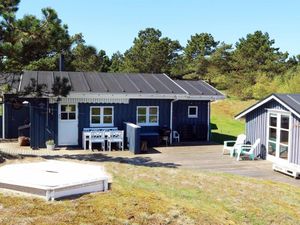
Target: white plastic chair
[234, 144]
[115, 136]
[247, 150]
[97, 137]
[176, 136]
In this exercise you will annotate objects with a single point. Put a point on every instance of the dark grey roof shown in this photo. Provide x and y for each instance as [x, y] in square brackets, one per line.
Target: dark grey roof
[291, 100]
[107, 82]
[116, 83]
[12, 79]
[198, 87]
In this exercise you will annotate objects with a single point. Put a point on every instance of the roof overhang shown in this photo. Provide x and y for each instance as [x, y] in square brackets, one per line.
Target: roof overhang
[262, 102]
[145, 96]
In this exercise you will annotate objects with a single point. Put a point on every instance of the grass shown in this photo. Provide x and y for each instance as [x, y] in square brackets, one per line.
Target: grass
[222, 115]
[164, 196]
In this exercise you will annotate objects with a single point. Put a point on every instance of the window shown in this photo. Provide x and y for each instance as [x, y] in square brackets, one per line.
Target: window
[101, 116]
[278, 135]
[68, 112]
[193, 112]
[147, 115]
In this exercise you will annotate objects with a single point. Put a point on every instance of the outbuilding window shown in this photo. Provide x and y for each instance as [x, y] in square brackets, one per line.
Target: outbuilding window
[147, 115]
[193, 112]
[102, 116]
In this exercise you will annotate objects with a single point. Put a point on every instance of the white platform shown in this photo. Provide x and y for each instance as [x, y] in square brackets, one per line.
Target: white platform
[287, 168]
[53, 179]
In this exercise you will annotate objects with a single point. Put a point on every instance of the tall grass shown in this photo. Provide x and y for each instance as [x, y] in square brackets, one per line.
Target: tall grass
[222, 119]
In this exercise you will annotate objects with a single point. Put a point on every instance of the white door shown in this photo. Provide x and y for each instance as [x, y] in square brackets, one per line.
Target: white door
[278, 138]
[67, 124]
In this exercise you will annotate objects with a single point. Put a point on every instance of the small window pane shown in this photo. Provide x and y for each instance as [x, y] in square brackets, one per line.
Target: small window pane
[95, 111]
[63, 108]
[107, 111]
[285, 122]
[153, 119]
[273, 121]
[153, 110]
[192, 111]
[107, 119]
[142, 111]
[284, 137]
[72, 108]
[283, 152]
[95, 119]
[141, 119]
[72, 116]
[272, 148]
[64, 116]
[272, 134]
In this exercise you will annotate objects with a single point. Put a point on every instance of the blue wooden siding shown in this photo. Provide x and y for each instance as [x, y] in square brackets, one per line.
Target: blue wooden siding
[256, 127]
[180, 116]
[14, 118]
[44, 121]
[126, 113]
[295, 142]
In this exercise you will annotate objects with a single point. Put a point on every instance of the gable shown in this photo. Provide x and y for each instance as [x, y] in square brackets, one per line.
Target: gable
[275, 101]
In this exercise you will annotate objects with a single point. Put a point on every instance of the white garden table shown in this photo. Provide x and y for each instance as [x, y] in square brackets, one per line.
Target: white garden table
[86, 133]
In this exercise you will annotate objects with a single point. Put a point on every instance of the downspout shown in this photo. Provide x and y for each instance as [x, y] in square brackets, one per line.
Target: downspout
[171, 119]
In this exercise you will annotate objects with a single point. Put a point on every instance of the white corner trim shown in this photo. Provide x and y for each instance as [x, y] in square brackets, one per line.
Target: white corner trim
[272, 97]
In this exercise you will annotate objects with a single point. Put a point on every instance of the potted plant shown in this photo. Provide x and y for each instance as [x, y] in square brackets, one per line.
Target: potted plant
[50, 144]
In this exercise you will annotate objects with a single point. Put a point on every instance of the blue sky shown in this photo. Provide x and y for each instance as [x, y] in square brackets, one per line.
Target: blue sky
[112, 24]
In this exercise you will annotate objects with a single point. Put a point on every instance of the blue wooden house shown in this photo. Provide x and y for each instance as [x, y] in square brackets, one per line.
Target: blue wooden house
[149, 101]
[276, 121]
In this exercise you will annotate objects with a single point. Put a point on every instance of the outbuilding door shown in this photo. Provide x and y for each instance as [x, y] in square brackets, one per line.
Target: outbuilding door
[67, 124]
[278, 136]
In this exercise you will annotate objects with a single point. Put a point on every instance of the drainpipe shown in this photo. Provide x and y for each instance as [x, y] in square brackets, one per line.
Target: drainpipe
[171, 120]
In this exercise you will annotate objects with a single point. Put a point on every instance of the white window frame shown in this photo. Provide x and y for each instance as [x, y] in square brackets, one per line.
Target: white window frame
[278, 114]
[193, 116]
[67, 105]
[148, 123]
[101, 124]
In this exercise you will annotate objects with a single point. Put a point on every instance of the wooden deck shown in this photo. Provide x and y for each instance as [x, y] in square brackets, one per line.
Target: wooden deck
[199, 157]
